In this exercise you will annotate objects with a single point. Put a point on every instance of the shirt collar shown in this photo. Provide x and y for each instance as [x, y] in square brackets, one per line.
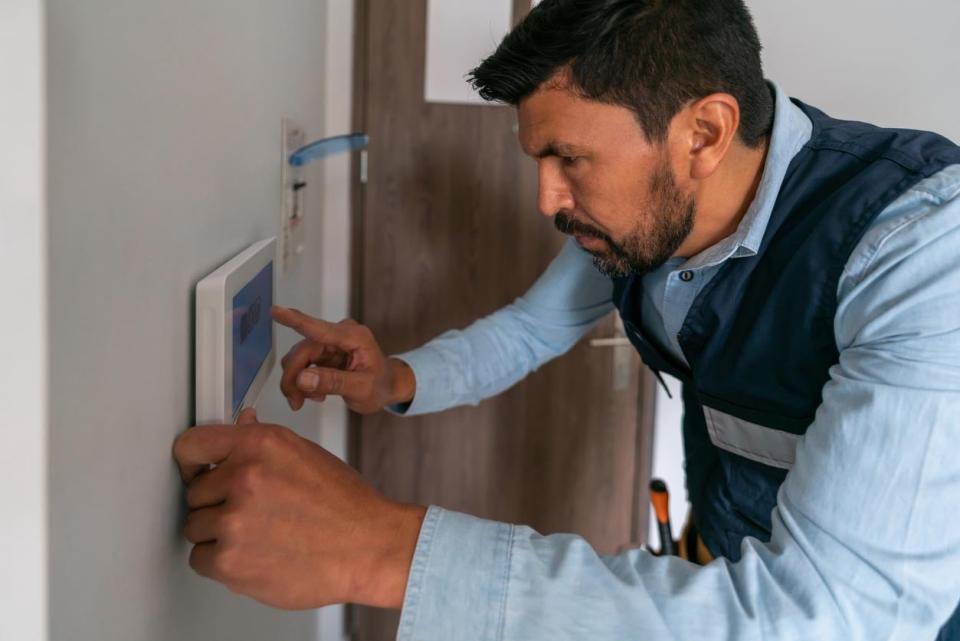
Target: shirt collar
[791, 131]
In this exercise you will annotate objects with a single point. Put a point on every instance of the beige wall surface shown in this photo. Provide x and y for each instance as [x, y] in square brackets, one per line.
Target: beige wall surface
[164, 161]
[881, 61]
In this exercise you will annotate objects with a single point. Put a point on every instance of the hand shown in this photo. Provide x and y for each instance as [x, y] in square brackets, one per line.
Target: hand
[342, 359]
[282, 520]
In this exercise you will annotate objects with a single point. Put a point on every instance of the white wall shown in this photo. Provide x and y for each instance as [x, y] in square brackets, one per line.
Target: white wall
[881, 61]
[23, 325]
[164, 160]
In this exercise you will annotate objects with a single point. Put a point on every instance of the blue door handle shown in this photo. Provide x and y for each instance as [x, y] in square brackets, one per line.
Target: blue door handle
[328, 147]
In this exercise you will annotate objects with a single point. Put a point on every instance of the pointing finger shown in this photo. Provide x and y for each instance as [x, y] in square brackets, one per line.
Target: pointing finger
[346, 337]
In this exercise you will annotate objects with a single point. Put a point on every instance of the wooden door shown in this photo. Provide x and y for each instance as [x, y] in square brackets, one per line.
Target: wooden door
[447, 230]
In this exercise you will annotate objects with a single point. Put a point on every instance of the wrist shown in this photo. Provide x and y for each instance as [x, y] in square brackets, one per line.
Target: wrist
[403, 382]
[384, 582]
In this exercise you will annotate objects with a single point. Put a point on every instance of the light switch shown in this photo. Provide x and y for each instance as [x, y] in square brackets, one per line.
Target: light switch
[291, 238]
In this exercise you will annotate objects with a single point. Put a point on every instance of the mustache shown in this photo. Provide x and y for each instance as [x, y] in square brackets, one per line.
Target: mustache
[568, 225]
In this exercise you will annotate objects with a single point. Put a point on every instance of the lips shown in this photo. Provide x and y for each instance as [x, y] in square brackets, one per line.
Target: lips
[589, 242]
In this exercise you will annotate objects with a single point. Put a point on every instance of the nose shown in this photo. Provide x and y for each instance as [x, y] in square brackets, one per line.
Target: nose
[554, 192]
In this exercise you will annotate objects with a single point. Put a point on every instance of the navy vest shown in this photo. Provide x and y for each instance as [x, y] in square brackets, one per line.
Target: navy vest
[759, 337]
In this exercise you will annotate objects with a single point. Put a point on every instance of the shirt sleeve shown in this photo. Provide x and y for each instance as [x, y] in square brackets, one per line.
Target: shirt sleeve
[865, 541]
[463, 367]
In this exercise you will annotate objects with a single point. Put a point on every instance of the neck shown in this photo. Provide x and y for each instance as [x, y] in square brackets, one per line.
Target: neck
[724, 198]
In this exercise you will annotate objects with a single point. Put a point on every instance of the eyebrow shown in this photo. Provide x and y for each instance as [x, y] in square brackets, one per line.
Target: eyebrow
[554, 148]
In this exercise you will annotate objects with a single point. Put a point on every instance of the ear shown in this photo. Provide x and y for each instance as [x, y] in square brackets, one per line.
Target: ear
[708, 128]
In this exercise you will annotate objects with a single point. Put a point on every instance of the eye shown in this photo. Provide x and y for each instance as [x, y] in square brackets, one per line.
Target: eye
[570, 160]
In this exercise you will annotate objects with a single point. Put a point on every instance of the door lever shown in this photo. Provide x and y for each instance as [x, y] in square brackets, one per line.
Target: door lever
[610, 342]
[619, 338]
[623, 365]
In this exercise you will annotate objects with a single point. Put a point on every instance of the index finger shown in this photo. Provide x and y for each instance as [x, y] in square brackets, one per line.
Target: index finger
[343, 336]
[201, 446]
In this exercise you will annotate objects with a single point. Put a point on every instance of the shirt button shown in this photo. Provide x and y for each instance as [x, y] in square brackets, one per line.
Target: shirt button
[686, 276]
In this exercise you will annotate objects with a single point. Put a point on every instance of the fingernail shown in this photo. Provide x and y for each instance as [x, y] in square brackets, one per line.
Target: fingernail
[308, 381]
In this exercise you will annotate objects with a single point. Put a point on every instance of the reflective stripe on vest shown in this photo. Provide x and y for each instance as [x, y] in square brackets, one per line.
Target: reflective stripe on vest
[749, 440]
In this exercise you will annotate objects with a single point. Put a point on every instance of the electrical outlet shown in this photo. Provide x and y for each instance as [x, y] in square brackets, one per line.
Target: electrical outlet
[290, 240]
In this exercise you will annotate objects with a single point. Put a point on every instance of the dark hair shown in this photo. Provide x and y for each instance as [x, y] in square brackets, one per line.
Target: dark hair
[651, 56]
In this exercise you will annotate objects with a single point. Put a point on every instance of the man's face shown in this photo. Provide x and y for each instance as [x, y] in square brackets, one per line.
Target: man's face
[604, 183]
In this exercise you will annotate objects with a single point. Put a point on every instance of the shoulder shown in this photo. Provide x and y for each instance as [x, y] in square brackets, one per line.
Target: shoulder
[926, 214]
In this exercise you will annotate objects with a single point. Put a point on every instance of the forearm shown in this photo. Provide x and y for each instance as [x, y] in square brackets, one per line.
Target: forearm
[463, 367]
[478, 579]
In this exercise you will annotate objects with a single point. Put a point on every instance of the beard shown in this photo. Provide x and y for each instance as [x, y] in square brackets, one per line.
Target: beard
[642, 251]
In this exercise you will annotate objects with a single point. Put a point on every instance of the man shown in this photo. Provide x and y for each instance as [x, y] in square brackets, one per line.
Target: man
[799, 274]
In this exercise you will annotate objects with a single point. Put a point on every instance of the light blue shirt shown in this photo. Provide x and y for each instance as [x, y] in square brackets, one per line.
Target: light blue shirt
[865, 542]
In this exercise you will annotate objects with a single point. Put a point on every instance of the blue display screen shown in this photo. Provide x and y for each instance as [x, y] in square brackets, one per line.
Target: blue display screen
[252, 331]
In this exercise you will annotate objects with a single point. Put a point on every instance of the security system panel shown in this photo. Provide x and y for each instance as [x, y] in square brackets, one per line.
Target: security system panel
[236, 346]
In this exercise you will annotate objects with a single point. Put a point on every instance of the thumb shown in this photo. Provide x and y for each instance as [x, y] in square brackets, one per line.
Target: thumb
[248, 416]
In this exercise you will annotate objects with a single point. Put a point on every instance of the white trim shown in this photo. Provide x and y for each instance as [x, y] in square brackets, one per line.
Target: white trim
[24, 350]
[336, 238]
[750, 440]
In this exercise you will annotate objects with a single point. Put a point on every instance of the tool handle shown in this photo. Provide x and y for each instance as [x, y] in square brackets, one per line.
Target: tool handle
[660, 497]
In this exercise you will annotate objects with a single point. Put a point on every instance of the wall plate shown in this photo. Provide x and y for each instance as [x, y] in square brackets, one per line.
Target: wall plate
[290, 238]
